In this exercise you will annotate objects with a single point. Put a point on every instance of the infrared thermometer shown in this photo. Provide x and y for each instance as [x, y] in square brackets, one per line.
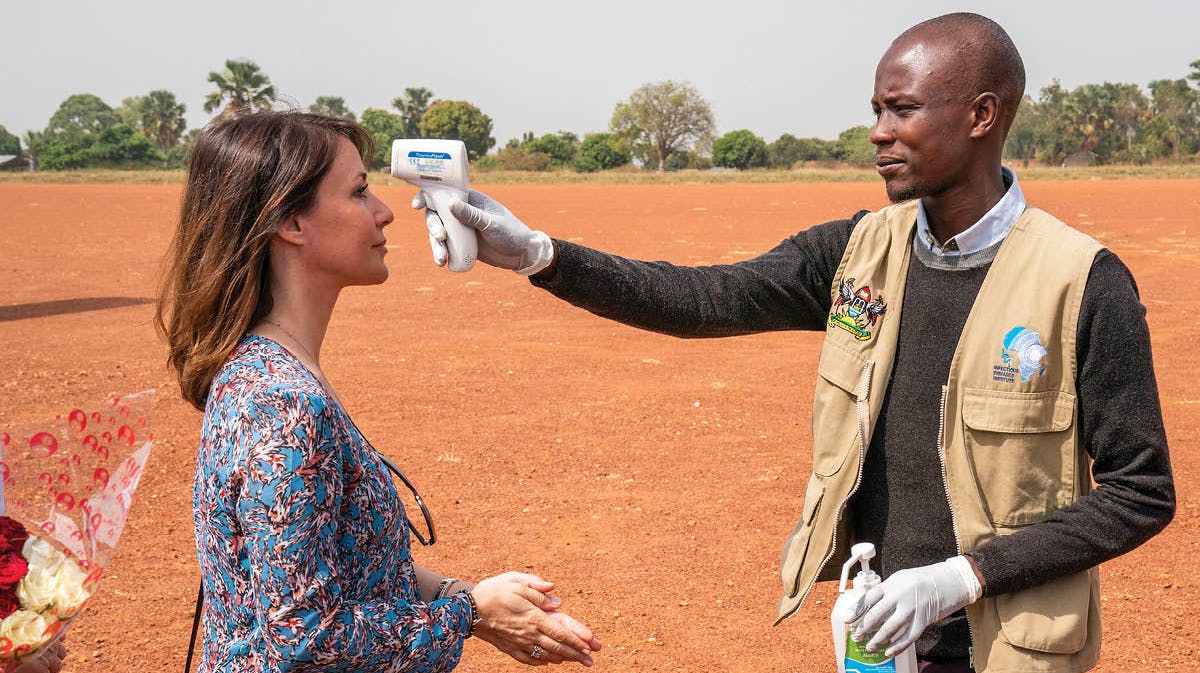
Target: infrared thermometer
[439, 168]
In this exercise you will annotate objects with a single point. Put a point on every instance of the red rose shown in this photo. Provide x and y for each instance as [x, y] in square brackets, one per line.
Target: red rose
[14, 532]
[8, 603]
[13, 567]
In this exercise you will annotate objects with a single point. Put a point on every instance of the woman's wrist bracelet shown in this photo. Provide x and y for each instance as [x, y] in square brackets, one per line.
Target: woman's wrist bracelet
[474, 616]
[442, 586]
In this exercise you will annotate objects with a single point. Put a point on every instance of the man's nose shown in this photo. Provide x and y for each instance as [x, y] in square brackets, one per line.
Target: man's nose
[881, 132]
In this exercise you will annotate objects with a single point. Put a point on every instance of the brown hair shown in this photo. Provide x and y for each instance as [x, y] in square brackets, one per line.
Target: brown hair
[246, 175]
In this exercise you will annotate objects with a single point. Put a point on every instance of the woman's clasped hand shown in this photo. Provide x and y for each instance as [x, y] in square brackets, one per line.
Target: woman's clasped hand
[520, 617]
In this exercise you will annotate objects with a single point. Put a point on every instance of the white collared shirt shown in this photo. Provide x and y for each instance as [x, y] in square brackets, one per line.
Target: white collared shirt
[988, 231]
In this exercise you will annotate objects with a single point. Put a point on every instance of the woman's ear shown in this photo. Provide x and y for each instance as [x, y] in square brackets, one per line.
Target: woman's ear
[291, 230]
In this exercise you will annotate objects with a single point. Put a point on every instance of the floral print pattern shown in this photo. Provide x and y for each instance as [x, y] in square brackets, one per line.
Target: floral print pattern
[302, 541]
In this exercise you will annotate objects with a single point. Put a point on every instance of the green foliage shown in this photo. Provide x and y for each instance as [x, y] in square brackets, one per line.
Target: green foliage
[459, 120]
[740, 149]
[559, 150]
[119, 146]
[179, 154]
[1043, 122]
[1108, 122]
[412, 106]
[679, 161]
[601, 152]
[85, 132]
[519, 159]
[9, 143]
[384, 127]
[854, 146]
[158, 116]
[1102, 119]
[561, 147]
[116, 146]
[1174, 125]
[662, 118]
[1021, 142]
[789, 150]
[127, 111]
[245, 86]
[331, 106]
[80, 114]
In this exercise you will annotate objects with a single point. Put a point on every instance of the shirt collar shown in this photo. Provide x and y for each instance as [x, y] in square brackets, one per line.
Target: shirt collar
[988, 231]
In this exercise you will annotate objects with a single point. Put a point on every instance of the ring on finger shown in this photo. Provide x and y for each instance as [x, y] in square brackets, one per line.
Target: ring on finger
[537, 652]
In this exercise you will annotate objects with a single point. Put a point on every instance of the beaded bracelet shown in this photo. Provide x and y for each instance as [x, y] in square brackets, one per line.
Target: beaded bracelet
[474, 611]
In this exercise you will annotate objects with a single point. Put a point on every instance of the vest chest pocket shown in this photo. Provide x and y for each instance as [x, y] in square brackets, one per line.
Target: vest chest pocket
[835, 416]
[1022, 447]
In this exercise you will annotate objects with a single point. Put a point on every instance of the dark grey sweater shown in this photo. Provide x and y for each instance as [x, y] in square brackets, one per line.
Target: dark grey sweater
[905, 511]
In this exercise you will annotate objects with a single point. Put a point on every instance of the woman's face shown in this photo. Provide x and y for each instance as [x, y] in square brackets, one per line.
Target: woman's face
[343, 231]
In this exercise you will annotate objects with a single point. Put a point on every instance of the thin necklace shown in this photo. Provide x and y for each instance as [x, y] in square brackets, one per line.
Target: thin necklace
[295, 340]
[318, 374]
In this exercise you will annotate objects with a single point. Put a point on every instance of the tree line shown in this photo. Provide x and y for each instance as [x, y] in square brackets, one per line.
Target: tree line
[662, 126]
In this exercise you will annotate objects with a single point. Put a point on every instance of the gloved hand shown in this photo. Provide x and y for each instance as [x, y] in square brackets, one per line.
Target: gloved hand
[895, 613]
[504, 241]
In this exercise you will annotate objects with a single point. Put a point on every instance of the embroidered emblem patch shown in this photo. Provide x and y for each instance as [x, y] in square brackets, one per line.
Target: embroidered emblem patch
[855, 311]
[1021, 356]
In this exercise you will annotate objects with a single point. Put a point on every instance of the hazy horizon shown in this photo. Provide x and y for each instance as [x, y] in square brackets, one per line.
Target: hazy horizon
[533, 65]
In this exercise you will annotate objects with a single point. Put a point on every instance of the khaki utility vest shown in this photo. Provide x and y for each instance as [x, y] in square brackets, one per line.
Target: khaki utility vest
[1009, 441]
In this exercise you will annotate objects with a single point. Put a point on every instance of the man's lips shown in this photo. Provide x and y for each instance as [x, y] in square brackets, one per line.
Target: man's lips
[886, 165]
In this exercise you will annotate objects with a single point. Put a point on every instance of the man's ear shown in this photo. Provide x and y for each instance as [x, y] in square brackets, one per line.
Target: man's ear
[291, 230]
[985, 114]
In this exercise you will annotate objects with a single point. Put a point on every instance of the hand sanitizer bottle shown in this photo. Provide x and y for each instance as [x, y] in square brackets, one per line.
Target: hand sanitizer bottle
[852, 657]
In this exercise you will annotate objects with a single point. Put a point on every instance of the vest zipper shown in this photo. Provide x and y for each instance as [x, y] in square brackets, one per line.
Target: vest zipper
[862, 409]
[953, 521]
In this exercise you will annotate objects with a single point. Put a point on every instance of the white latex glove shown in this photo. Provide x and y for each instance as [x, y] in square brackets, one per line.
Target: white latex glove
[895, 613]
[504, 241]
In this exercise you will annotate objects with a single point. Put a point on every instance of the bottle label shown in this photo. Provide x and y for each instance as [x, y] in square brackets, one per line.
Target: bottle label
[430, 163]
[859, 660]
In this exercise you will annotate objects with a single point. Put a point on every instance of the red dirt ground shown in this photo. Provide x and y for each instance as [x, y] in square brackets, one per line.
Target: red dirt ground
[654, 479]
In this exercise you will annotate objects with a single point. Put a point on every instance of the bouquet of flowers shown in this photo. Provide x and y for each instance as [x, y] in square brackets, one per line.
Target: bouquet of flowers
[65, 491]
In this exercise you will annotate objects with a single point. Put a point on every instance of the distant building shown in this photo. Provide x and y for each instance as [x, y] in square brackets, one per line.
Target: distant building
[13, 162]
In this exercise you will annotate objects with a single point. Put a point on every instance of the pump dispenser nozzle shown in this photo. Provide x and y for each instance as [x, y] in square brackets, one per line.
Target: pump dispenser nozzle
[861, 553]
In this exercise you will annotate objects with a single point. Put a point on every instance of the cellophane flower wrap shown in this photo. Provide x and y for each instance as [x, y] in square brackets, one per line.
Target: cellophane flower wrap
[66, 489]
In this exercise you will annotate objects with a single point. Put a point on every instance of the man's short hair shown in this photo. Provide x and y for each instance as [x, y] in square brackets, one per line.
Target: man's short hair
[990, 61]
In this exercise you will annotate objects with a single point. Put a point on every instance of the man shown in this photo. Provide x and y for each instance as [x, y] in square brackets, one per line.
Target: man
[978, 353]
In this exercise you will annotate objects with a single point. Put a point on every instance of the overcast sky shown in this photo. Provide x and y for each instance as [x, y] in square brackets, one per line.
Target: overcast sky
[773, 66]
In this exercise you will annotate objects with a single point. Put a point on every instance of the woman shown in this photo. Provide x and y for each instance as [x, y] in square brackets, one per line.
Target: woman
[302, 541]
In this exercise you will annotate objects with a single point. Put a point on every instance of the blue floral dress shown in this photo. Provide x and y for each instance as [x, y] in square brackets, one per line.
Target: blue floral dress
[303, 543]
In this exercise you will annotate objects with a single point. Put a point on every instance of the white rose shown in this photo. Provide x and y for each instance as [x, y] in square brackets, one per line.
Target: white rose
[41, 554]
[26, 628]
[38, 588]
[71, 594]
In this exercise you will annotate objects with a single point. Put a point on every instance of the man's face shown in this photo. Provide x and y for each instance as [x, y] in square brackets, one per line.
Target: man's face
[922, 120]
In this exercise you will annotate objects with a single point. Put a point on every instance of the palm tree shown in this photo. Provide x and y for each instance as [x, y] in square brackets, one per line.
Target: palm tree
[246, 87]
[161, 118]
[333, 106]
[412, 106]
